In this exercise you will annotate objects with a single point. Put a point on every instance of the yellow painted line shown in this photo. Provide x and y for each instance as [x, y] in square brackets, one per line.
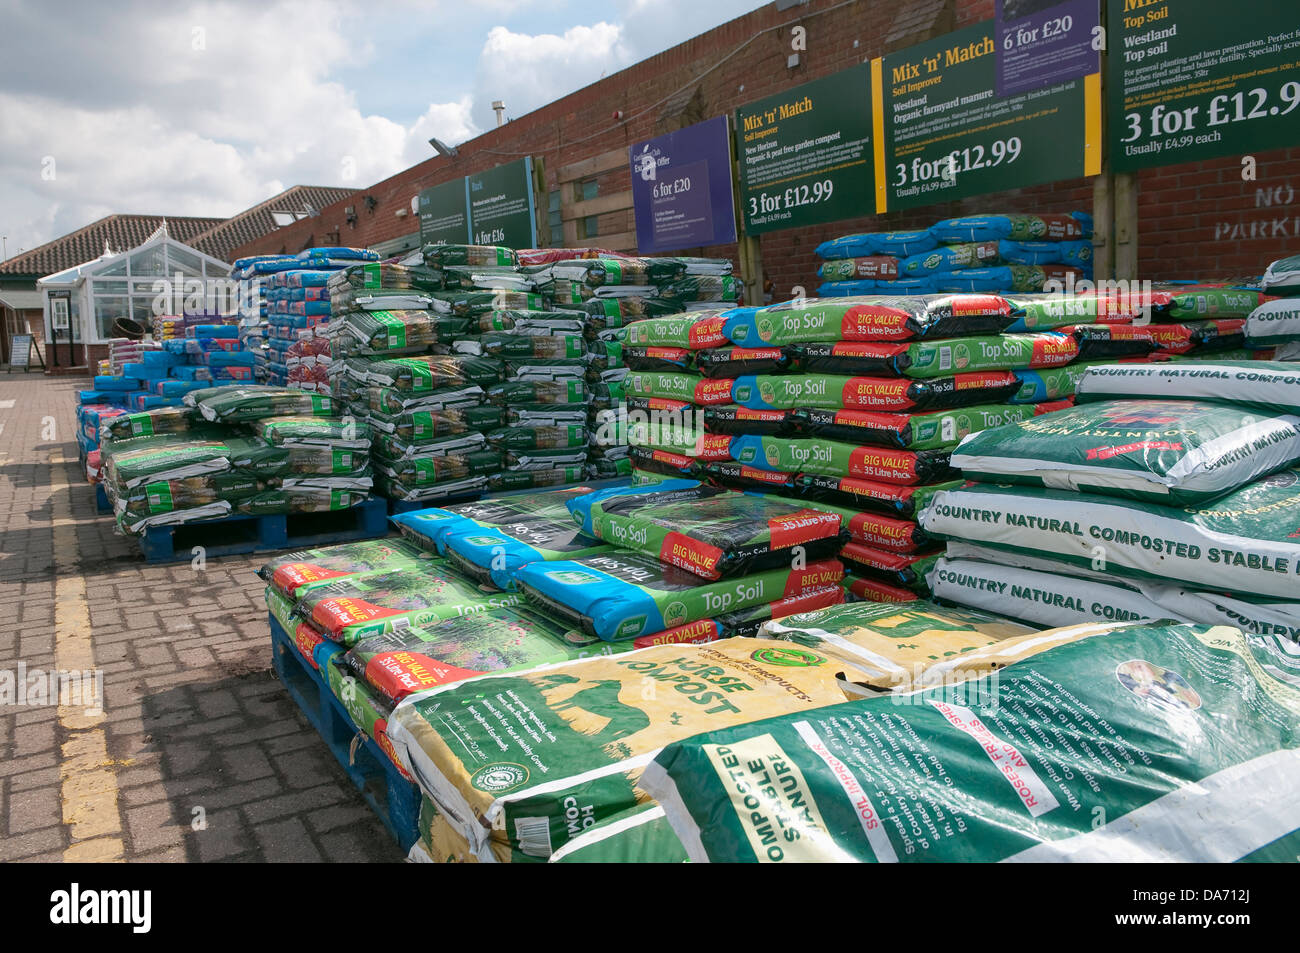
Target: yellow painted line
[89, 791]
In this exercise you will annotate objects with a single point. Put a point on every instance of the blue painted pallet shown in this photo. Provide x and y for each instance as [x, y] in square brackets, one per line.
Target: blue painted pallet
[234, 535]
[392, 797]
[101, 500]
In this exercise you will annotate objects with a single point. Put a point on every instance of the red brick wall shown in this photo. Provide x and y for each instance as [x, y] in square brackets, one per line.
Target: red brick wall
[1196, 220]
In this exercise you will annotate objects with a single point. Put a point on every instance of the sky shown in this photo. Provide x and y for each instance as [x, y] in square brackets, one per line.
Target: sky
[207, 108]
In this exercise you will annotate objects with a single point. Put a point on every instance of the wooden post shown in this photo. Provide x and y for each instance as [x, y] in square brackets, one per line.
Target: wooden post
[1126, 226]
[541, 202]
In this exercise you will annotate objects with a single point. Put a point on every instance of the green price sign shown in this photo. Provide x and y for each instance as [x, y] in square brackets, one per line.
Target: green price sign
[943, 132]
[443, 215]
[805, 154]
[501, 206]
[1190, 80]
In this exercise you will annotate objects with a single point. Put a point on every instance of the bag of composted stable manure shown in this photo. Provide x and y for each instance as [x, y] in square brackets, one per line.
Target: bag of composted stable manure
[1274, 322]
[623, 595]
[596, 726]
[678, 386]
[1171, 451]
[266, 462]
[892, 499]
[442, 468]
[897, 244]
[1266, 385]
[470, 303]
[1243, 543]
[240, 403]
[538, 438]
[1282, 277]
[572, 391]
[834, 459]
[715, 533]
[704, 288]
[932, 430]
[524, 346]
[425, 426]
[882, 318]
[290, 572]
[372, 603]
[598, 272]
[393, 489]
[639, 835]
[1051, 593]
[617, 312]
[416, 658]
[1018, 228]
[163, 496]
[383, 275]
[1176, 742]
[162, 420]
[439, 256]
[537, 479]
[892, 646]
[833, 392]
[305, 497]
[314, 431]
[938, 358]
[395, 448]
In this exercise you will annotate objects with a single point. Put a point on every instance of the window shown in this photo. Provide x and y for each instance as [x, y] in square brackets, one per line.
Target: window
[282, 219]
[586, 190]
[554, 218]
[589, 227]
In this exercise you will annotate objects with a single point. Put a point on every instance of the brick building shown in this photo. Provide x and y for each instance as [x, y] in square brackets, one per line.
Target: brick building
[1195, 220]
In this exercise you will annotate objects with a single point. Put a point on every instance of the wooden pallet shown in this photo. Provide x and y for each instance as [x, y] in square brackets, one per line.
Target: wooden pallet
[394, 799]
[235, 535]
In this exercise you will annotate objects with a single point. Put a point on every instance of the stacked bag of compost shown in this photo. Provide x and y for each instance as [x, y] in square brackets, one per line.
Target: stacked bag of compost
[236, 449]
[1168, 491]
[984, 253]
[1276, 323]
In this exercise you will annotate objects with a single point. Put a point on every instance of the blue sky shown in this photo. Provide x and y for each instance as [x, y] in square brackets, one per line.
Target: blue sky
[206, 108]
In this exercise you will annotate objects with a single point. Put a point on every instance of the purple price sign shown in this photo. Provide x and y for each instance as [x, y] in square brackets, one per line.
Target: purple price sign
[1044, 42]
[681, 188]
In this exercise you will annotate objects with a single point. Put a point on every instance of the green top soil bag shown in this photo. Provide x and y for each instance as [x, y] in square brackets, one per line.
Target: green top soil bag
[714, 533]
[240, 403]
[932, 430]
[1244, 542]
[1211, 302]
[678, 386]
[892, 499]
[1172, 451]
[1043, 312]
[737, 420]
[416, 658]
[373, 603]
[1147, 744]
[883, 318]
[939, 358]
[693, 330]
[737, 361]
[833, 459]
[623, 595]
[290, 572]
[592, 726]
[834, 392]
[1267, 385]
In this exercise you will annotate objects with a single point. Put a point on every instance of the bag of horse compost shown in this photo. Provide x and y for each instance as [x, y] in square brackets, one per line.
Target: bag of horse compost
[375, 275]
[1244, 542]
[288, 573]
[256, 457]
[1051, 593]
[932, 430]
[904, 570]
[622, 595]
[736, 420]
[692, 331]
[442, 255]
[171, 457]
[240, 403]
[679, 386]
[833, 459]
[534, 793]
[1282, 277]
[716, 533]
[638, 835]
[517, 460]
[878, 530]
[941, 358]
[1139, 743]
[396, 450]
[160, 420]
[834, 392]
[619, 312]
[538, 438]
[892, 646]
[891, 499]
[416, 658]
[870, 318]
[397, 330]
[704, 288]
[744, 622]
[1174, 451]
[507, 346]
[314, 432]
[1267, 385]
[1200, 302]
[373, 603]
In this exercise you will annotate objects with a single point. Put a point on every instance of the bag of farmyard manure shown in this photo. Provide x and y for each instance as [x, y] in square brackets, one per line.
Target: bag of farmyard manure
[1140, 743]
[1267, 385]
[1171, 451]
[598, 728]
[623, 594]
[1243, 542]
[165, 458]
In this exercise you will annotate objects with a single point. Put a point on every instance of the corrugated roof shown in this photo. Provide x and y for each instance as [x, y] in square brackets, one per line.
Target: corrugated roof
[120, 232]
[21, 300]
[221, 240]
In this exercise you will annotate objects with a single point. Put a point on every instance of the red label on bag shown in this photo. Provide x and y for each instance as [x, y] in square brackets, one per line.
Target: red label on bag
[334, 615]
[288, 578]
[880, 463]
[884, 531]
[818, 575]
[873, 322]
[397, 674]
[1105, 453]
[873, 591]
[693, 555]
[802, 527]
[714, 391]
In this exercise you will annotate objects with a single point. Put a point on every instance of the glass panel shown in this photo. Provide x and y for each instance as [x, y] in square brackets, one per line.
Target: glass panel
[186, 263]
[101, 287]
[553, 201]
[590, 226]
[151, 261]
[142, 312]
[117, 268]
[108, 310]
[282, 219]
[589, 189]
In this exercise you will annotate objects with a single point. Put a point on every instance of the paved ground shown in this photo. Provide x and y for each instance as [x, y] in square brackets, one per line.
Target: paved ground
[196, 732]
